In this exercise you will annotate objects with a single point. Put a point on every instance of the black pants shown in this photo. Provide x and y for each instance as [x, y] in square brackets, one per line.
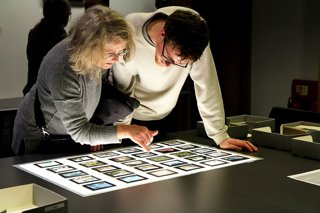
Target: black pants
[67, 146]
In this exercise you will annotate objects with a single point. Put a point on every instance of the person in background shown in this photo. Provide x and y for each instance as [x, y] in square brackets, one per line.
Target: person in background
[89, 3]
[47, 33]
[172, 43]
[69, 83]
[162, 3]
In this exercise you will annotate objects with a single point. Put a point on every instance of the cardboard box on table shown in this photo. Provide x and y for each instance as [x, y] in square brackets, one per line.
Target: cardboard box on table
[31, 198]
[299, 127]
[239, 126]
[240, 131]
[251, 120]
[283, 140]
[307, 145]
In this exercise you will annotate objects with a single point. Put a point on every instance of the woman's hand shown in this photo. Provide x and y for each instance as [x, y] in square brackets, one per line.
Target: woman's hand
[96, 148]
[141, 135]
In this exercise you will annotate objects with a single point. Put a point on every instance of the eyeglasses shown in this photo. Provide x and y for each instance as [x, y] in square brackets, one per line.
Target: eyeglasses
[170, 60]
[115, 55]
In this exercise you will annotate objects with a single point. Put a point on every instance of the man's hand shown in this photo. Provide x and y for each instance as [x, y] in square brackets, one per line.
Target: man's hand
[236, 144]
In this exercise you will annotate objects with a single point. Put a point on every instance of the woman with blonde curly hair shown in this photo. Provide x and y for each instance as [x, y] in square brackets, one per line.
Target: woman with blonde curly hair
[68, 88]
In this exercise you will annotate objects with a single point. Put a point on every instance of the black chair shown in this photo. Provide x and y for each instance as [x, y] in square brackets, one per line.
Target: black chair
[8, 110]
[287, 115]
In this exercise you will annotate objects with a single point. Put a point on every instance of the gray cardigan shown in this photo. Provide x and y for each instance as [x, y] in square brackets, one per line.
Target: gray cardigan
[68, 101]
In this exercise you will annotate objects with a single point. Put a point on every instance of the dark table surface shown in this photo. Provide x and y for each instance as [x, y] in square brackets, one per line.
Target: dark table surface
[260, 186]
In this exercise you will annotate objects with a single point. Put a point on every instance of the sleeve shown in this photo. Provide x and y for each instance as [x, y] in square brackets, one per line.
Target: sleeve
[209, 99]
[124, 80]
[124, 77]
[125, 121]
[70, 110]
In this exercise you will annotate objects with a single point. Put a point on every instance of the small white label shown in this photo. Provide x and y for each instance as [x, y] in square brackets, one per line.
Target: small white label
[54, 207]
[302, 90]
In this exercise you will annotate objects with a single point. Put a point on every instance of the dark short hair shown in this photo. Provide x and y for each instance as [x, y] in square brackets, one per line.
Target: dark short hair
[187, 31]
[57, 11]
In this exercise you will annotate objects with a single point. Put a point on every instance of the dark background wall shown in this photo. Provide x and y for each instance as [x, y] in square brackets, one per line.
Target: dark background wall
[259, 47]
[230, 28]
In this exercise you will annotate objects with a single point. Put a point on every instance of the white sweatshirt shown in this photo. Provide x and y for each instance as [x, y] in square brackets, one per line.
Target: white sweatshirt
[158, 88]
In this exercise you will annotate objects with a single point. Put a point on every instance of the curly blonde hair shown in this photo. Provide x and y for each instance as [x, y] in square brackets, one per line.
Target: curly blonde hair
[98, 26]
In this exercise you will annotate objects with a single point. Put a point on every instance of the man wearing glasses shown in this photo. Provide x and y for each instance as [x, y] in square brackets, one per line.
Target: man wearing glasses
[172, 43]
